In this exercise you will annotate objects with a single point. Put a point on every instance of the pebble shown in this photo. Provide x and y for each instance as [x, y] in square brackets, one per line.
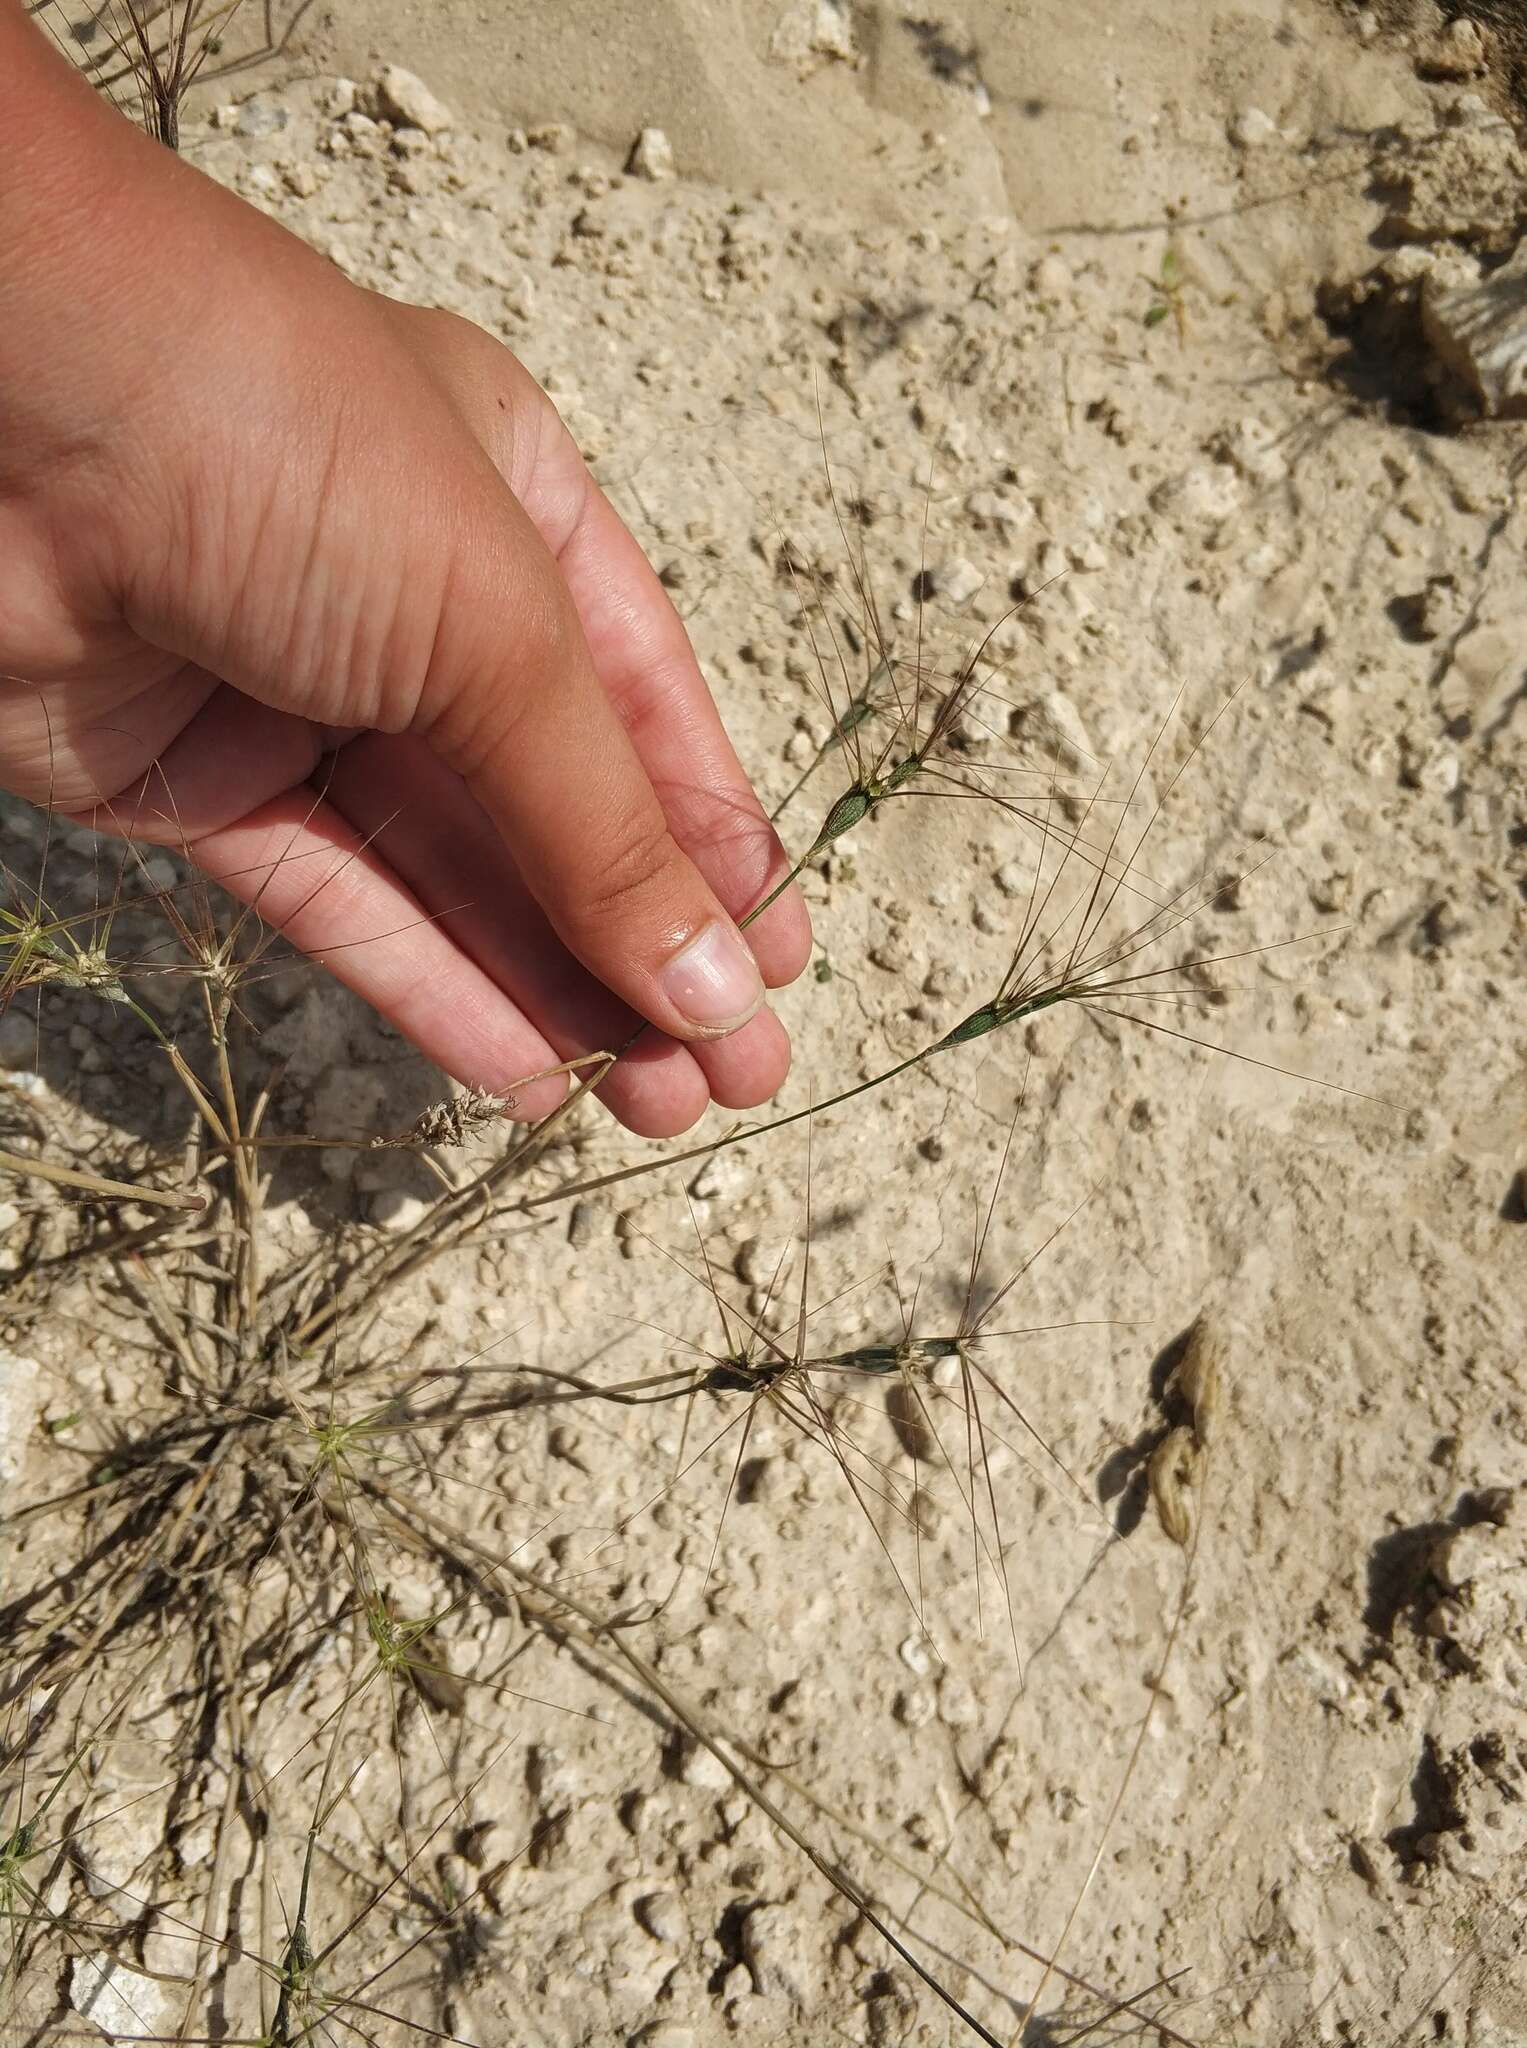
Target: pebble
[1252, 129]
[1201, 492]
[1051, 277]
[958, 580]
[1004, 510]
[652, 156]
[702, 1768]
[260, 117]
[917, 1654]
[18, 1413]
[363, 134]
[811, 32]
[1457, 51]
[340, 98]
[915, 1706]
[720, 1179]
[124, 2005]
[1480, 332]
[756, 1262]
[1434, 768]
[301, 180]
[772, 1950]
[583, 1224]
[662, 1915]
[1012, 878]
[1464, 1555]
[396, 1211]
[405, 98]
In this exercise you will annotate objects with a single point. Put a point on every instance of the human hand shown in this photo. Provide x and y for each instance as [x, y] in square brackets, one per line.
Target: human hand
[317, 587]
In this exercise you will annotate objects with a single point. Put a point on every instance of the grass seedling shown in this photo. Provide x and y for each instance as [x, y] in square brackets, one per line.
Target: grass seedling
[1167, 292]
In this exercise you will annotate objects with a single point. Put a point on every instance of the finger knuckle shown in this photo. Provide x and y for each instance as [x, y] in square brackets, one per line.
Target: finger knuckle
[628, 873]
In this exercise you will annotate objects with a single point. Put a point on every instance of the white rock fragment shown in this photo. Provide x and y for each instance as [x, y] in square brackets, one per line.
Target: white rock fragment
[1202, 492]
[1252, 129]
[405, 98]
[1457, 51]
[703, 1769]
[18, 1413]
[1480, 332]
[915, 1705]
[663, 1916]
[720, 1179]
[772, 1950]
[1466, 186]
[757, 1262]
[125, 2006]
[958, 580]
[396, 1211]
[1051, 731]
[1004, 510]
[1251, 448]
[1467, 1555]
[917, 1654]
[652, 156]
[812, 33]
[340, 98]
[520, 298]
[1051, 276]
[260, 117]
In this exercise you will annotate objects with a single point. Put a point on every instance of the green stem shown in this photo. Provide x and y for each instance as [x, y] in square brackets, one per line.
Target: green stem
[609, 1180]
[990, 1017]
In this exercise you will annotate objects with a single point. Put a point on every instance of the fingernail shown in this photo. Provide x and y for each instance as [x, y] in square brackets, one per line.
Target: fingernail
[714, 983]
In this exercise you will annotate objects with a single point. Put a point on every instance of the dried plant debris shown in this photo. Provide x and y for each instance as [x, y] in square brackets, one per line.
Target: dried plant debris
[453, 1121]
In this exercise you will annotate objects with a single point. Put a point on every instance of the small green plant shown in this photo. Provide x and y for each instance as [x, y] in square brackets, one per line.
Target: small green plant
[1168, 292]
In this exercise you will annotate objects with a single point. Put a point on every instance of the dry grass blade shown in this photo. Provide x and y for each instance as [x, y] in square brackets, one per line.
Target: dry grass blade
[96, 1184]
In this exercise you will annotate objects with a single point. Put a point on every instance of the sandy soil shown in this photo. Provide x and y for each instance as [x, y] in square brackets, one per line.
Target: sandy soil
[1068, 297]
